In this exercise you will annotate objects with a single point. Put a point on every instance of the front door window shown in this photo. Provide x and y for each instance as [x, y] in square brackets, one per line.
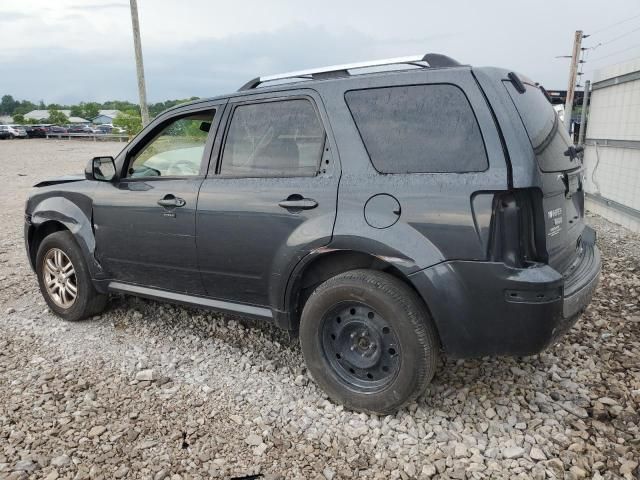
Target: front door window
[177, 149]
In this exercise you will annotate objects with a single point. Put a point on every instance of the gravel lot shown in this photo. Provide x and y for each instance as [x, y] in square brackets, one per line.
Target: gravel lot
[150, 390]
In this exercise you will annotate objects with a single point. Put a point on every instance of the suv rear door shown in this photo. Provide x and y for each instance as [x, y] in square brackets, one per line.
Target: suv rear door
[561, 175]
[269, 199]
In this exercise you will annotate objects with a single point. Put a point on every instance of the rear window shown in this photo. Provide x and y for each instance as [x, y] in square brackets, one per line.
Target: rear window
[547, 134]
[418, 129]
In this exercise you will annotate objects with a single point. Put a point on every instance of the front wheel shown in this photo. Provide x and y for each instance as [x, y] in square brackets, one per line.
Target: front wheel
[368, 341]
[64, 279]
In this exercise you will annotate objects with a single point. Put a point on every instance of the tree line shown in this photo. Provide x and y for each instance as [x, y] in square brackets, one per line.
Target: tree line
[129, 118]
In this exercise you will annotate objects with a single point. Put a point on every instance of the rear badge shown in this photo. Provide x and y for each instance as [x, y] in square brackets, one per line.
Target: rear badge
[555, 216]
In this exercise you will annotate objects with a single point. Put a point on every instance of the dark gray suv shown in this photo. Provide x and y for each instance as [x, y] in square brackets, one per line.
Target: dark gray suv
[387, 211]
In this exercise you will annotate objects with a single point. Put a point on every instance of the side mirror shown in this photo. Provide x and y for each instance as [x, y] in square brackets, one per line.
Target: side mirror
[102, 169]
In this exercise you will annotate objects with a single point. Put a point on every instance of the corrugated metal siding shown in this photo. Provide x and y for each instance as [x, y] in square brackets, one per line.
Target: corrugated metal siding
[613, 168]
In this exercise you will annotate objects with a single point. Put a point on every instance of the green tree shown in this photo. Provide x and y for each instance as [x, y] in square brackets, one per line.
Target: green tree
[18, 118]
[129, 120]
[77, 110]
[156, 108]
[7, 104]
[91, 110]
[57, 117]
[24, 107]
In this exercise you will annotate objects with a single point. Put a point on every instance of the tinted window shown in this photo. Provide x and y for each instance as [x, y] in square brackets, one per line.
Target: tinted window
[281, 139]
[418, 129]
[548, 136]
[176, 150]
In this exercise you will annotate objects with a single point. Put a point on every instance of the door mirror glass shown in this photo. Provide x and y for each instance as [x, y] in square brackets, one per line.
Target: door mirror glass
[102, 169]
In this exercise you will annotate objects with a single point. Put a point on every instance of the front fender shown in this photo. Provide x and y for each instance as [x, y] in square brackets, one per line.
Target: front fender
[75, 218]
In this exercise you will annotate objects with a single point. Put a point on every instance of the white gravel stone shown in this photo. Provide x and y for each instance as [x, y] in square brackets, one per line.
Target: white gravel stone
[329, 473]
[537, 454]
[60, 461]
[147, 375]
[260, 449]
[253, 439]
[513, 452]
[97, 431]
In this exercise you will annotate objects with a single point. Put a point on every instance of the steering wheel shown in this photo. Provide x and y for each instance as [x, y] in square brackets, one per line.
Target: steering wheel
[181, 167]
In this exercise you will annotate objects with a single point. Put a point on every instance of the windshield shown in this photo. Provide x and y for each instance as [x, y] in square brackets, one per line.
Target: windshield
[547, 134]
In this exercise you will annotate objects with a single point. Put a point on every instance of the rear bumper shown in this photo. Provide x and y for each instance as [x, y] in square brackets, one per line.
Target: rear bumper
[487, 308]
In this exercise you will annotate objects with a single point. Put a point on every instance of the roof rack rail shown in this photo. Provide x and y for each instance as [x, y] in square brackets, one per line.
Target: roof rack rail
[432, 60]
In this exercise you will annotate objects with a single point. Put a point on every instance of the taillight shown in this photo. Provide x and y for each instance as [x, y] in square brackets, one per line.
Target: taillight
[516, 228]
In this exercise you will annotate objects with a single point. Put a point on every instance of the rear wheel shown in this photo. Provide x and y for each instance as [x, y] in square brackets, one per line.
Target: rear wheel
[64, 278]
[369, 341]
[11, 136]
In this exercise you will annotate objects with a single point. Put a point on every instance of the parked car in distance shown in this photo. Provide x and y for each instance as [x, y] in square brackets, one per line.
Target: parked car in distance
[386, 216]
[15, 131]
[4, 132]
[36, 131]
[103, 129]
[109, 129]
[56, 129]
[79, 129]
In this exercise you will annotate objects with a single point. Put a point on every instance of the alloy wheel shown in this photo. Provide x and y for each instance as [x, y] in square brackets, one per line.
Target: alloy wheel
[59, 277]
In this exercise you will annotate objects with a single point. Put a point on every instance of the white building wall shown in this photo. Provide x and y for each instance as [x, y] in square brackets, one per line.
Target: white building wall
[612, 154]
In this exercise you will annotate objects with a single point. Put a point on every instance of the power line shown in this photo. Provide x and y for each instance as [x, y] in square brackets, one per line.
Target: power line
[615, 53]
[602, 44]
[618, 37]
[615, 24]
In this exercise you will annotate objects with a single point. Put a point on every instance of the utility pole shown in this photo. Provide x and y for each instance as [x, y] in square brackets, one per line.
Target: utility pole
[583, 115]
[573, 74]
[142, 90]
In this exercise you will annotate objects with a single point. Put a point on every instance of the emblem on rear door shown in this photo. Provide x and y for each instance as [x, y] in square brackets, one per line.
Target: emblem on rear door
[555, 216]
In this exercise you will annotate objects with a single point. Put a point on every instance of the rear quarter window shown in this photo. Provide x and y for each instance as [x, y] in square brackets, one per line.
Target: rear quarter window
[418, 129]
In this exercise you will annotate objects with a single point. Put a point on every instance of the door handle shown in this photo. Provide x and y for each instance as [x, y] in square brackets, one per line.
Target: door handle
[298, 202]
[171, 201]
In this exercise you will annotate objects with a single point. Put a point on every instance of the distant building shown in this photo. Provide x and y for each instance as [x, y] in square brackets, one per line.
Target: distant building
[6, 120]
[40, 115]
[105, 116]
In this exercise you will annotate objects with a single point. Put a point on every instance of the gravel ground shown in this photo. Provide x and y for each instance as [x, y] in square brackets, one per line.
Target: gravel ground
[150, 390]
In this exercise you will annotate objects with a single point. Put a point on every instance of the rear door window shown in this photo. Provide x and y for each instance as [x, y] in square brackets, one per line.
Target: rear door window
[273, 139]
[418, 129]
[547, 134]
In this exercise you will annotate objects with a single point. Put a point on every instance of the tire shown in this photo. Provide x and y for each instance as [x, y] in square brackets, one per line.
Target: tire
[369, 341]
[12, 136]
[87, 301]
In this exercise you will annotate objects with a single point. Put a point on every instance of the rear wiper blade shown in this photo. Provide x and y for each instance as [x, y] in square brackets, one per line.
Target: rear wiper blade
[574, 152]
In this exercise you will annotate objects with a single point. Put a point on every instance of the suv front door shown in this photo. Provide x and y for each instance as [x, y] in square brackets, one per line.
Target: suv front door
[271, 199]
[145, 221]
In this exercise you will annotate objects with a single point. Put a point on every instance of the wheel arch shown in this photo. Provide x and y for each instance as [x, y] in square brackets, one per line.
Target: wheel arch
[57, 214]
[326, 263]
[37, 233]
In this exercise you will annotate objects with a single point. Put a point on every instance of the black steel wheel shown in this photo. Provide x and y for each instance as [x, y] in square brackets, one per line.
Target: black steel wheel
[361, 346]
[368, 341]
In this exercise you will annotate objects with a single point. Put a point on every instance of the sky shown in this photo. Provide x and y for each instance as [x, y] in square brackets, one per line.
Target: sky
[69, 51]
